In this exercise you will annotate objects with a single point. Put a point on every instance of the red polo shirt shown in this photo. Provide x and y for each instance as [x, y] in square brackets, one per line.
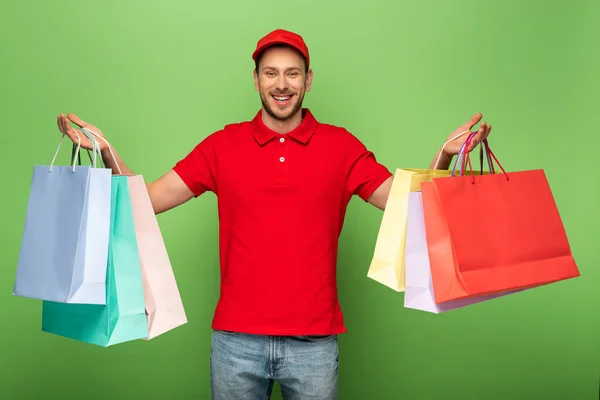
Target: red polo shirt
[281, 203]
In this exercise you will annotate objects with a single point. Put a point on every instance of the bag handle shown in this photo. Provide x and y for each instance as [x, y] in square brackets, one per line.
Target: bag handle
[96, 148]
[461, 157]
[460, 154]
[74, 149]
[464, 157]
[445, 144]
[76, 152]
[73, 154]
[467, 158]
[90, 134]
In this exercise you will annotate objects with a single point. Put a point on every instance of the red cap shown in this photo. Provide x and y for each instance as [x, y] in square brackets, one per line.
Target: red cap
[281, 36]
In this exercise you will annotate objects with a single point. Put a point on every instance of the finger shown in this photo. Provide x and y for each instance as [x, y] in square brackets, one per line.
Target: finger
[59, 124]
[475, 119]
[66, 128]
[478, 136]
[486, 132]
[473, 144]
[77, 121]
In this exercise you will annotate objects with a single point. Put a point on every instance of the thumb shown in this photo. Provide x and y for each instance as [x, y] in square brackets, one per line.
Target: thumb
[475, 119]
[76, 120]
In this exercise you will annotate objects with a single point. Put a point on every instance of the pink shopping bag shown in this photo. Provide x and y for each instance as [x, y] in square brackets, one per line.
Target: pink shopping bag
[163, 303]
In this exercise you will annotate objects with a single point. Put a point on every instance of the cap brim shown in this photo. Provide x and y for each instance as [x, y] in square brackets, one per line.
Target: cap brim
[269, 44]
[266, 46]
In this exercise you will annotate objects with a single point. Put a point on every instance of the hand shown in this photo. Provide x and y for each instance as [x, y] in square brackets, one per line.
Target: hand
[77, 136]
[452, 148]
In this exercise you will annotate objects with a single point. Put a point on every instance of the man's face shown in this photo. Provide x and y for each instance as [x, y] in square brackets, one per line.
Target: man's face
[282, 81]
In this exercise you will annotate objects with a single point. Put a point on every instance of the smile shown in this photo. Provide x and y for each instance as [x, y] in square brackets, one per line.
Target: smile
[282, 99]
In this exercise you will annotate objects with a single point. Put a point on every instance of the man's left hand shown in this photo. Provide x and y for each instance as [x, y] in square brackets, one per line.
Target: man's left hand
[452, 148]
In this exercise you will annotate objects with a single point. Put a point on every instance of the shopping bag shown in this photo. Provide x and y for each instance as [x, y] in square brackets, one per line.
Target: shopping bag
[123, 318]
[419, 293]
[387, 265]
[64, 246]
[492, 233]
[388, 262]
[163, 303]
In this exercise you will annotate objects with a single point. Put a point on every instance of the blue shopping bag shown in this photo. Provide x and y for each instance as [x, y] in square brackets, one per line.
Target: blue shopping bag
[64, 246]
[123, 318]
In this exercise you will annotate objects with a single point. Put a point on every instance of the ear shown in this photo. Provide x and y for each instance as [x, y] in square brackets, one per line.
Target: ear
[256, 86]
[309, 78]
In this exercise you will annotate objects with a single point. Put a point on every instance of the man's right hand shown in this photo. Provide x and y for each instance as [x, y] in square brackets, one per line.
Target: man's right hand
[165, 193]
[77, 136]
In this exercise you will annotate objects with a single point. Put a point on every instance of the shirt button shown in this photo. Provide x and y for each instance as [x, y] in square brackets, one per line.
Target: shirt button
[281, 159]
[282, 140]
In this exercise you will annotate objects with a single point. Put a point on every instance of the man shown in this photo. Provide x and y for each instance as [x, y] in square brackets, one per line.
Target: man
[283, 181]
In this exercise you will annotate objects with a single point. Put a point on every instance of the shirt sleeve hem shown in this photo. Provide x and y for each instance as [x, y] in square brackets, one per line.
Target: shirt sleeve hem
[366, 191]
[188, 181]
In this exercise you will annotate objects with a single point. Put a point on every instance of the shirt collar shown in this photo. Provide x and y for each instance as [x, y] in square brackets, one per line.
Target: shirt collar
[301, 133]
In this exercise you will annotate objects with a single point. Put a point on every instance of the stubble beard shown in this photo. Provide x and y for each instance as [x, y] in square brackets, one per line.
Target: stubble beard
[297, 106]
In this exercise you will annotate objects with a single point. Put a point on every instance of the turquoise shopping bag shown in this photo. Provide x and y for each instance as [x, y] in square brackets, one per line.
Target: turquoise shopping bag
[123, 318]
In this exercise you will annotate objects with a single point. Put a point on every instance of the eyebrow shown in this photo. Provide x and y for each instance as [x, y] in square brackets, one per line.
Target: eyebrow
[286, 69]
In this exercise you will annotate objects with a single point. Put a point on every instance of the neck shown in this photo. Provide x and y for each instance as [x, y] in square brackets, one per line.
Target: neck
[282, 127]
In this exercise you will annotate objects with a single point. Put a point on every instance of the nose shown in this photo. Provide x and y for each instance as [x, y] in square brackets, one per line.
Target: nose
[282, 83]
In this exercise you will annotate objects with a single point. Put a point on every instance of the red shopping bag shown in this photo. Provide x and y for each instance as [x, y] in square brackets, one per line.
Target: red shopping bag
[492, 233]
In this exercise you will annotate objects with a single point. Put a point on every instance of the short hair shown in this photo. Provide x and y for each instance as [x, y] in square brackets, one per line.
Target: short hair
[281, 46]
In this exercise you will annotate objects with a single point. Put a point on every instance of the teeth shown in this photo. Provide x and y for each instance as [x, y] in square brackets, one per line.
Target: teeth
[281, 98]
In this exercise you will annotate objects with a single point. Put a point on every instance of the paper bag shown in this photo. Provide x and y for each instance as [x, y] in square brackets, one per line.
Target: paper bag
[492, 233]
[64, 246]
[163, 301]
[387, 266]
[123, 318]
[419, 293]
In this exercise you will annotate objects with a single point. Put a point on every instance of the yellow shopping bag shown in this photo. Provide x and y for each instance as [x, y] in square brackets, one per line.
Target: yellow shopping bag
[387, 266]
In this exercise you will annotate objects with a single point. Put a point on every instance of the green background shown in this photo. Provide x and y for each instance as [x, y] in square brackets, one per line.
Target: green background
[159, 76]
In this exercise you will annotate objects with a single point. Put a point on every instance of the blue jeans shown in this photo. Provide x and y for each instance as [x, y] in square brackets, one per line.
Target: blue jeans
[244, 366]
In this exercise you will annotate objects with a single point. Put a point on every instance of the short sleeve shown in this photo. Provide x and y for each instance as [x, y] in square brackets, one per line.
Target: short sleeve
[197, 168]
[366, 174]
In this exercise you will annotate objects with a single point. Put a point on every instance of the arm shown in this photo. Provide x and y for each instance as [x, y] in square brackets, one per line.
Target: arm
[168, 191]
[380, 195]
[165, 193]
[442, 158]
[366, 177]
[443, 162]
